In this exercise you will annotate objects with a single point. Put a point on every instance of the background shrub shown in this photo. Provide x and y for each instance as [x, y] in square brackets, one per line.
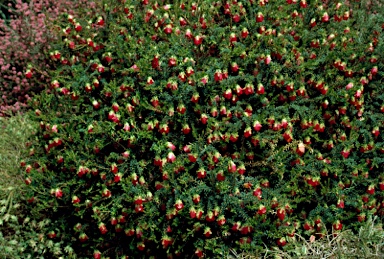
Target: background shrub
[262, 118]
[25, 34]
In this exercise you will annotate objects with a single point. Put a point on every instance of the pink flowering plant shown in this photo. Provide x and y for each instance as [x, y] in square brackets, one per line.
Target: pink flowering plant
[25, 34]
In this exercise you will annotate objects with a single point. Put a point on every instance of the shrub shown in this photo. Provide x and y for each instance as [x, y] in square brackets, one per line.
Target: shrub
[192, 128]
[25, 33]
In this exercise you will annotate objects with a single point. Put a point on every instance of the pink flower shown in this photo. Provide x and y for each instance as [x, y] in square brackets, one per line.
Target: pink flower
[171, 157]
[171, 146]
[349, 86]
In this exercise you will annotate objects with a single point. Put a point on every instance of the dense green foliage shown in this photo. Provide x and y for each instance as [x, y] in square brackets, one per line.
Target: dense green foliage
[193, 128]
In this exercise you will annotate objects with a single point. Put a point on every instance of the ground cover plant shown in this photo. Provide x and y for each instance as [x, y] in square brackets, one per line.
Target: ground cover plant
[190, 128]
[24, 237]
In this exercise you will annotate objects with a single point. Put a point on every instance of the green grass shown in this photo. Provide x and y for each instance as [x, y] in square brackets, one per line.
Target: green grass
[21, 236]
[14, 132]
[367, 244]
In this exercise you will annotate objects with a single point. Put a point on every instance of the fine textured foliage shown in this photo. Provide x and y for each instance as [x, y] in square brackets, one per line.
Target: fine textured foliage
[197, 127]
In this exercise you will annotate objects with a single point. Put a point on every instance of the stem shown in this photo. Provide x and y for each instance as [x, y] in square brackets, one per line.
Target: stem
[9, 202]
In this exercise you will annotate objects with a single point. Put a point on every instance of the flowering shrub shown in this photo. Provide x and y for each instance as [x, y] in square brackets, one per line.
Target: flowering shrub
[24, 37]
[190, 128]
